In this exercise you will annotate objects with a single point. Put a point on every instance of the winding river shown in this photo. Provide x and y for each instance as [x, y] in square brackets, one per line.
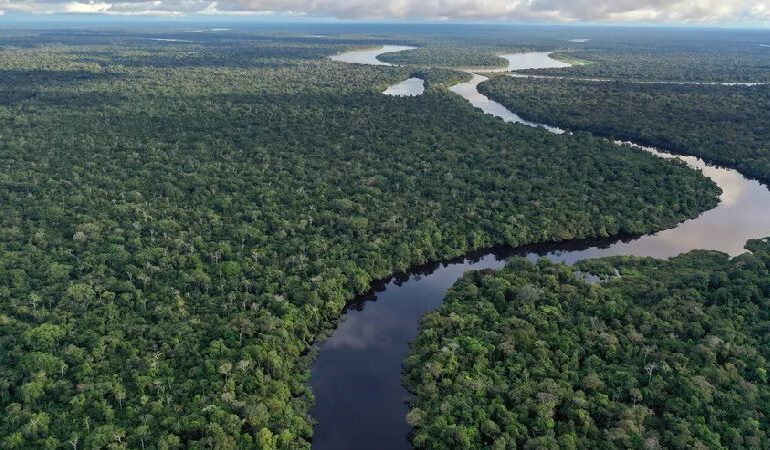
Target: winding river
[356, 380]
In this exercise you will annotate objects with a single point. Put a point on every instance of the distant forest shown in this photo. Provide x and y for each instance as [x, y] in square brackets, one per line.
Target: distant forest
[729, 125]
[183, 220]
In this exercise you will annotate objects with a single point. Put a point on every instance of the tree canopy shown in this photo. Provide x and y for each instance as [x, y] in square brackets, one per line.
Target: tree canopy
[183, 220]
[729, 125]
[661, 354]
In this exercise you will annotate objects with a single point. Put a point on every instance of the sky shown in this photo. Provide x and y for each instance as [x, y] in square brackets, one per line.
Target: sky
[749, 12]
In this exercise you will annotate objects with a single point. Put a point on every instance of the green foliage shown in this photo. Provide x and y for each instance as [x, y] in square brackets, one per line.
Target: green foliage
[670, 354]
[437, 79]
[729, 125]
[704, 60]
[182, 221]
[446, 56]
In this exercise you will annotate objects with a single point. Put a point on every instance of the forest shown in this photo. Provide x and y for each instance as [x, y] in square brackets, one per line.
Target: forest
[661, 354]
[729, 125]
[727, 58]
[182, 221]
[446, 56]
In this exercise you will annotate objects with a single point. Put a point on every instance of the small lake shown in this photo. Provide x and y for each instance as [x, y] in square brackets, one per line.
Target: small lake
[407, 88]
[356, 380]
[532, 60]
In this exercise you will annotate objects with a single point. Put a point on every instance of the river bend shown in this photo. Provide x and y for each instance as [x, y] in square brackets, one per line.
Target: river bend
[357, 378]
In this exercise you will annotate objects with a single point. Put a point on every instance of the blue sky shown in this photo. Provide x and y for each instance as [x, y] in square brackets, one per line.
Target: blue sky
[749, 12]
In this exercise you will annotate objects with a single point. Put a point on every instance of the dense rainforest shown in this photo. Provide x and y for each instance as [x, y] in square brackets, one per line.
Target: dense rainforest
[446, 56]
[182, 220]
[725, 61]
[615, 53]
[729, 125]
[661, 354]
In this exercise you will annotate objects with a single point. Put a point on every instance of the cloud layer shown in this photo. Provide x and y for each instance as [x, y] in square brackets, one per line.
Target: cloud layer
[687, 11]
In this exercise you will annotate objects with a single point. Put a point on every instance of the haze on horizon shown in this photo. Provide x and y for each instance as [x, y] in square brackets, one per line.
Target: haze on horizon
[735, 12]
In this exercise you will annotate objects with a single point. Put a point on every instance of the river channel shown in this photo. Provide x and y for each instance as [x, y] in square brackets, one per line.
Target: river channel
[357, 378]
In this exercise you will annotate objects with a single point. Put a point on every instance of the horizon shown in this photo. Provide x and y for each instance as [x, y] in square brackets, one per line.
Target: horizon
[88, 19]
[681, 13]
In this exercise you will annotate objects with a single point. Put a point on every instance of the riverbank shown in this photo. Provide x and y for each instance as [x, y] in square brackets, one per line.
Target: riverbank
[357, 376]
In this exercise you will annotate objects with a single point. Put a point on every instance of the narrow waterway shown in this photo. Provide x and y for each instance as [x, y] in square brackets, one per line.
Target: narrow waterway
[470, 92]
[611, 80]
[356, 380]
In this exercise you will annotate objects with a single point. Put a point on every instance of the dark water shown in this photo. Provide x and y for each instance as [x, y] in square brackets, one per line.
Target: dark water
[360, 401]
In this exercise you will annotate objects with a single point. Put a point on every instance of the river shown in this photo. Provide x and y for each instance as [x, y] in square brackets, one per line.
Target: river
[611, 80]
[357, 378]
[407, 88]
[369, 56]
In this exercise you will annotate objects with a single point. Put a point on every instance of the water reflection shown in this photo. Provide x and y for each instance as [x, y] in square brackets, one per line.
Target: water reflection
[407, 88]
[516, 61]
[533, 60]
[357, 376]
[369, 56]
[470, 92]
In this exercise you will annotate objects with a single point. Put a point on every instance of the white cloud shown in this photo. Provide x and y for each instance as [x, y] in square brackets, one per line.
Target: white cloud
[19, 6]
[541, 10]
[79, 7]
[761, 10]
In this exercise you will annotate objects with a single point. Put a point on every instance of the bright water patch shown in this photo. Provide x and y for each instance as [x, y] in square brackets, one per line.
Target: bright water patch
[469, 91]
[369, 56]
[407, 88]
[169, 40]
[532, 60]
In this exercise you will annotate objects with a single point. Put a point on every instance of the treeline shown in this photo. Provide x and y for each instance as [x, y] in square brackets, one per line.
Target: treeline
[729, 125]
[663, 354]
[703, 61]
[180, 225]
[436, 55]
